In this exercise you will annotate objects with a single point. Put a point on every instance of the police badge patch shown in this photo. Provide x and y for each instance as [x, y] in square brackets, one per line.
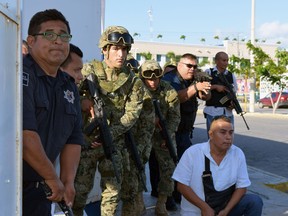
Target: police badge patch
[69, 96]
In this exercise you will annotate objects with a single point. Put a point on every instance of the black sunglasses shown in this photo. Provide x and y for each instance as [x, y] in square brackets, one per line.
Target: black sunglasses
[190, 65]
[115, 37]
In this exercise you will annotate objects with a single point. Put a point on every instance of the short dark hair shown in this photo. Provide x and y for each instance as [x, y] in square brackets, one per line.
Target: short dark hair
[73, 49]
[222, 117]
[189, 56]
[44, 16]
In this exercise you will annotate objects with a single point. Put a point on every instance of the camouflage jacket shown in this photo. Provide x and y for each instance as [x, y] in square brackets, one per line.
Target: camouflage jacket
[122, 94]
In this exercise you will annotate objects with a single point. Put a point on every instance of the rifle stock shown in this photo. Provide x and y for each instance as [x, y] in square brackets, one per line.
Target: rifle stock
[100, 121]
[165, 133]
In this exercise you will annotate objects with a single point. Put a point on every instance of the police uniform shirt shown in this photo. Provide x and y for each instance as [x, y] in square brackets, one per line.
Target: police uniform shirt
[51, 107]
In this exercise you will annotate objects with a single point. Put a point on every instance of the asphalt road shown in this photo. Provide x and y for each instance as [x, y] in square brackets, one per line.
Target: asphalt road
[265, 144]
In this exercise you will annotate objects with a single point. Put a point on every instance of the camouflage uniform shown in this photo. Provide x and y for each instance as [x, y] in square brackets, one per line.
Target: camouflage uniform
[122, 94]
[170, 108]
[132, 187]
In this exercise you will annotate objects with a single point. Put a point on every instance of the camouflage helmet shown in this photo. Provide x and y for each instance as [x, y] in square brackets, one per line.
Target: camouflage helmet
[132, 63]
[150, 69]
[113, 35]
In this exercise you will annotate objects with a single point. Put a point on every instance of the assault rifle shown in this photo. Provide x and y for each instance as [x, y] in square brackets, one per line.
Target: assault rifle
[232, 96]
[100, 121]
[200, 76]
[66, 209]
[165, 133]
[136, 158]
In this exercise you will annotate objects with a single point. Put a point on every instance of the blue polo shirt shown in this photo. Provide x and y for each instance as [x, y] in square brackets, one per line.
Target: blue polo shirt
[51, 107]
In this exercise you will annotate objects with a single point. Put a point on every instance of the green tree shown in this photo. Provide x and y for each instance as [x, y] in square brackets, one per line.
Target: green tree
[182, 37]
[159, 36]
[241, 67]
[270, 69]
[203, 40]
[136, 34]
[146, 55]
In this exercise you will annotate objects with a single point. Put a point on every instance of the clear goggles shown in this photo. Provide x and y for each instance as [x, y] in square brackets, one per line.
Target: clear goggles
[115, 37]
[150, 74]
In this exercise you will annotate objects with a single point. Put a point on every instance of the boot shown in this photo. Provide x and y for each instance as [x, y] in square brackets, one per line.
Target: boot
[141, 209]
[160, 209]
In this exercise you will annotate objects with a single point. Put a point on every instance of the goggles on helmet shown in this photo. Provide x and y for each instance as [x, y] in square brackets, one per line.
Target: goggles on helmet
[149, 74]
[115, 37]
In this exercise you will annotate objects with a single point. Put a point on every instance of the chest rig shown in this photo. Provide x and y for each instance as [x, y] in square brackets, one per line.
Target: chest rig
[115, 91]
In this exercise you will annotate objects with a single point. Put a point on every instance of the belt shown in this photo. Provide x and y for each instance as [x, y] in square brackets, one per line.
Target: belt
[33, 183]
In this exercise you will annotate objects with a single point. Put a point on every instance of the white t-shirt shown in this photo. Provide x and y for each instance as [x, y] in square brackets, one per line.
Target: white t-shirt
[232, 169]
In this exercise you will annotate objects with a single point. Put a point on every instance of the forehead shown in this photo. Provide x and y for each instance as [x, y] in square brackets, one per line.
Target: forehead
[54, 25]
[220, 124]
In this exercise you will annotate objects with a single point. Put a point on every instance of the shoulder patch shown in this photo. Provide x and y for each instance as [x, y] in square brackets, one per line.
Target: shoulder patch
[25, 79]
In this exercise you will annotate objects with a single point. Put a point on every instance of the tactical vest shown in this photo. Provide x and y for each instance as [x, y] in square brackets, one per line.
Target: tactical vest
[114, 93]
[188, 110]
[215, 95]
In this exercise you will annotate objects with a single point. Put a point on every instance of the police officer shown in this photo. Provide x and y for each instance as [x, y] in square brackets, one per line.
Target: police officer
[164, 93]
[122, 94]
[51, 115]
[183, 81]
[213, 106]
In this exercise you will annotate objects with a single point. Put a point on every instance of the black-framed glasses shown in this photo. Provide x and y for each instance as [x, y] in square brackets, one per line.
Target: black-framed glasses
[149, 74]
[115, 37]
[190, 65]
[52, 36]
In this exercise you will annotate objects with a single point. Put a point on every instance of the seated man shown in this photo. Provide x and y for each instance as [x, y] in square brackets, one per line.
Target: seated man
[216, 171]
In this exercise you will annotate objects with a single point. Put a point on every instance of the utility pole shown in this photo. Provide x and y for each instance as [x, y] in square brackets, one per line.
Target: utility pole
[150, 23]
[253, 77]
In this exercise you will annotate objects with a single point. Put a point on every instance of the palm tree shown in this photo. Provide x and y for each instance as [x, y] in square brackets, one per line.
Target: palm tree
[159, 36]
[203, 40]
[136, 34]
[182, 37]
[216, 37]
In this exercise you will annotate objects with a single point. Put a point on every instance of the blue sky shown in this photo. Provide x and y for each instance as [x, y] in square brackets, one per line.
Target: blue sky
[200, 19]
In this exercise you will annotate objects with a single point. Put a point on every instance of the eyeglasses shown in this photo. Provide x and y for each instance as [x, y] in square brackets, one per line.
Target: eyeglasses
[115, 37]
[52, 36]
[148, 74]
[190, 65]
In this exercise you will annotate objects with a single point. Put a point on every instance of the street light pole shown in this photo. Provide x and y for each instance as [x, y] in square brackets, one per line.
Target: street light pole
[253, 77]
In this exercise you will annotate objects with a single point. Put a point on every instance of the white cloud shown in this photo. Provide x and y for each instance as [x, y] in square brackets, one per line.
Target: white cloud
[274, 32]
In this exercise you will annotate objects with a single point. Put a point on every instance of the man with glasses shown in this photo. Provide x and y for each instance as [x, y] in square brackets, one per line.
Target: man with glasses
[183, 81]
[166, 97]
[122, 95]
[51, 115]
[219, 104]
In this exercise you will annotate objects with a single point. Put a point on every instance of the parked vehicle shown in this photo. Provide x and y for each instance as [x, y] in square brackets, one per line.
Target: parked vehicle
[267, 102]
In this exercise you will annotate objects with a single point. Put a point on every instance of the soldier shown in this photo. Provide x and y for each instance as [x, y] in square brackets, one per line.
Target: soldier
[132, 187]
[151, 72]
[122, 94]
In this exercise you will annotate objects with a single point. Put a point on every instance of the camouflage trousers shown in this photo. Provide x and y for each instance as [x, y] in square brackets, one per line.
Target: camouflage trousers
[166, 169]
[85, 177]
[131, 187]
